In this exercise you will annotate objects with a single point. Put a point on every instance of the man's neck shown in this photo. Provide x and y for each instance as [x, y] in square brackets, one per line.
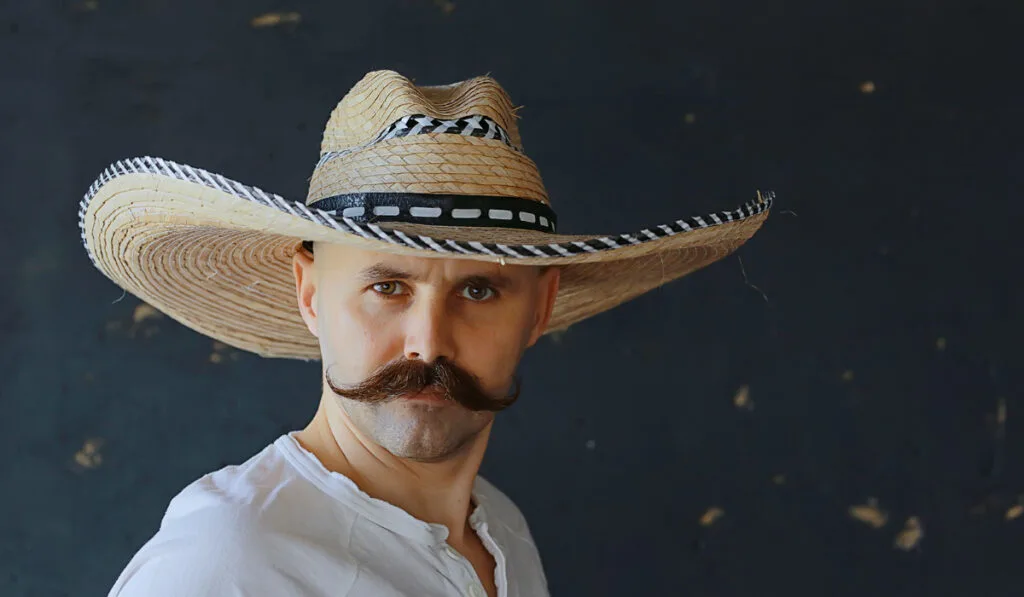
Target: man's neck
[433, 492]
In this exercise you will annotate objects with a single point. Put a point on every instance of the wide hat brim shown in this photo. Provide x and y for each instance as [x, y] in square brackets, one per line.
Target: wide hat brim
[216, 255]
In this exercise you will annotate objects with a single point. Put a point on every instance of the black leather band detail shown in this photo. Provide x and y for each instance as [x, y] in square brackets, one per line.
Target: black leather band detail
[441, 210]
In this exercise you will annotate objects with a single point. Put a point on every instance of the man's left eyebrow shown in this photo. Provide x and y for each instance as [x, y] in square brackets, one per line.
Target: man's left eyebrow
[494, 280]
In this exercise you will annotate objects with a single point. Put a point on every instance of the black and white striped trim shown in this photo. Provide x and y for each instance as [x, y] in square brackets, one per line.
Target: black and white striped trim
[151, 165]
[476, 125]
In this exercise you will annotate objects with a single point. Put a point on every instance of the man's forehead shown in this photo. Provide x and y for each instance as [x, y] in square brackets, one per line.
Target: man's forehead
[360, 261]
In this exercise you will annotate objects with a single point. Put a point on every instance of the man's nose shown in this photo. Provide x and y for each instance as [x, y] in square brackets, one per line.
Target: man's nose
[428, 329]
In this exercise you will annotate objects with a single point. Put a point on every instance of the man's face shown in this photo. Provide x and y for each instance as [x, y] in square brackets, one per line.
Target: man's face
[389, 325]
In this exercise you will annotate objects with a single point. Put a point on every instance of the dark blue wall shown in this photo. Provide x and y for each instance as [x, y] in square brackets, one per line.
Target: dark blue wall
[887, 336]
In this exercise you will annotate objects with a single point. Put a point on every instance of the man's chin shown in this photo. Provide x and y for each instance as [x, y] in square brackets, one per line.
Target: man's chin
[428, 433]
[430, 452]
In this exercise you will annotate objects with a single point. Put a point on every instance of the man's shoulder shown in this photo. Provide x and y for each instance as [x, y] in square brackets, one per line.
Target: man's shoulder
[234, 487]
[264, 496]
[224, 550]
[232, 531]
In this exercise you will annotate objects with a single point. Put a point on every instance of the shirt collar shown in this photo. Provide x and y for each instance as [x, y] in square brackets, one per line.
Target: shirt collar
[377, 511]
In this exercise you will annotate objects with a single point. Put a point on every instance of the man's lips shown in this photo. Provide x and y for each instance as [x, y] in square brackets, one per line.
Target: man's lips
[428, 395]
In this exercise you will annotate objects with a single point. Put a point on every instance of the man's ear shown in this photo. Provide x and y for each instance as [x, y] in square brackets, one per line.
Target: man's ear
[546, 295]
[305, 287]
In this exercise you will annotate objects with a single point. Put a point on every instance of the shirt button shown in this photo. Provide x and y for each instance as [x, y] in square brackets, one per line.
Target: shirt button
[476, 590]
[448, 549]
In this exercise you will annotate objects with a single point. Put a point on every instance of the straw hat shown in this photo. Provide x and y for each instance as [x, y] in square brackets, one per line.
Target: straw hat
[428, 171]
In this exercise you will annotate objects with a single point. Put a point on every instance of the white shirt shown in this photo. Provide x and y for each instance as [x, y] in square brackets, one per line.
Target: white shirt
[282, 525]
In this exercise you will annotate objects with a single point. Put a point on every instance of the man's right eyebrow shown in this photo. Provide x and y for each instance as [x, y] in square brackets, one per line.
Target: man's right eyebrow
[380, 271]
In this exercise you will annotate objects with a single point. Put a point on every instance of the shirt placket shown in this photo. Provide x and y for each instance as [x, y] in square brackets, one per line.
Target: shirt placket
[500, 572]
[462, 573]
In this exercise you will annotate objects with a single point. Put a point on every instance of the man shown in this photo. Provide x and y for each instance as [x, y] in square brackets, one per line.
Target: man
[421, 266]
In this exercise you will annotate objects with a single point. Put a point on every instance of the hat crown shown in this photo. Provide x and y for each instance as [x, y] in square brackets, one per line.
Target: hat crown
[388, 139]
[382, 97]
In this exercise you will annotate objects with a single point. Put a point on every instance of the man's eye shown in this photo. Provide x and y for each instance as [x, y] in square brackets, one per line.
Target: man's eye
[479, 293]
[386, 288]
